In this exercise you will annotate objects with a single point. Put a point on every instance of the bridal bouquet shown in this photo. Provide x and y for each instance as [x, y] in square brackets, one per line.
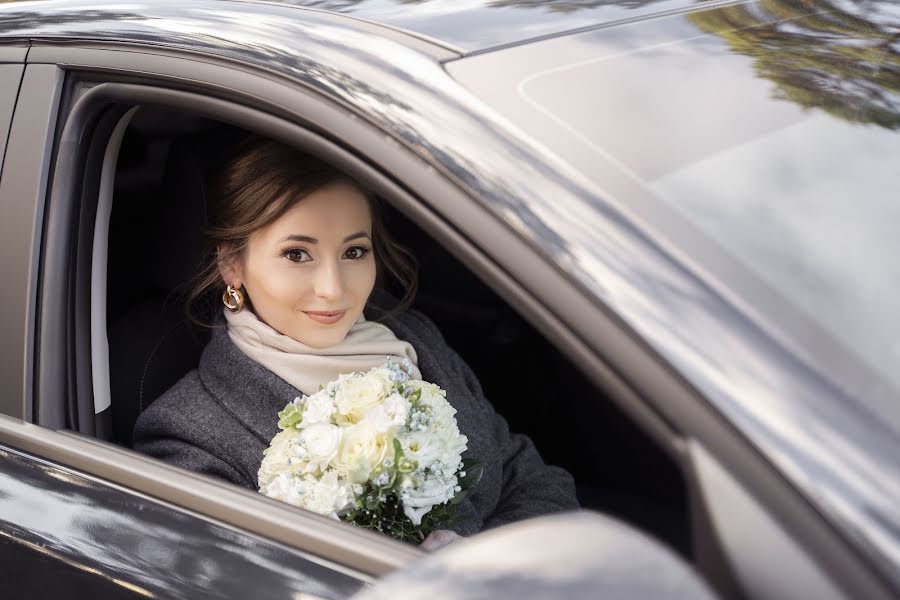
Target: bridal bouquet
[377, 449]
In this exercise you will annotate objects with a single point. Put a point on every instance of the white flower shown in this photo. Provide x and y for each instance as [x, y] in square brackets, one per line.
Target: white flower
[319, 409]
[285, 487]
[390, 414]
[362, 449]
[421, 498]
[321, 442]
[356, 396]
[277, 458]
[442, 414]
[429, 392]
[422, 446]
[345, 442]
[328, 495]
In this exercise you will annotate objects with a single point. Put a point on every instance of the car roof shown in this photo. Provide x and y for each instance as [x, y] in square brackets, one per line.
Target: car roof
[479, 25]
[467, 26]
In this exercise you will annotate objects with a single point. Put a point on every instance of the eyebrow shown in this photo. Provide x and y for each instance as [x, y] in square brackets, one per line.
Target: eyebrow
[311, 240]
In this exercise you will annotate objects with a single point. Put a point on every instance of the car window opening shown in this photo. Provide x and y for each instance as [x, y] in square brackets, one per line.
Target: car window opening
[156, 245]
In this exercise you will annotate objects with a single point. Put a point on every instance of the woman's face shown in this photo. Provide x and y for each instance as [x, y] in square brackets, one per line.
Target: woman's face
[309, 273]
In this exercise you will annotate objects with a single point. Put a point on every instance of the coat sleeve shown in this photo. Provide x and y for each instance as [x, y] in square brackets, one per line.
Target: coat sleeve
[530, 487]
[187, 456]
[170, 431]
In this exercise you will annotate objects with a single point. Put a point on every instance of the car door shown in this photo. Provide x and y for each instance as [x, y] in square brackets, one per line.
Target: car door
[81, 516]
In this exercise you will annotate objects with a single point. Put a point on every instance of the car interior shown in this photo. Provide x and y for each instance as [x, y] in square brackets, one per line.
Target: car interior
[156, 244]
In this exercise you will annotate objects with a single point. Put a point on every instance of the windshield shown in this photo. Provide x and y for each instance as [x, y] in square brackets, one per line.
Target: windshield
[769, 129]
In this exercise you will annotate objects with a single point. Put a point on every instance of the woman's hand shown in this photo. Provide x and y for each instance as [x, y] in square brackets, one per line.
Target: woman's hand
[438, 539]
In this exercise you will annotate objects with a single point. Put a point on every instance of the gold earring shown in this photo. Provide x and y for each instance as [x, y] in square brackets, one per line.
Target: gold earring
[233, 299]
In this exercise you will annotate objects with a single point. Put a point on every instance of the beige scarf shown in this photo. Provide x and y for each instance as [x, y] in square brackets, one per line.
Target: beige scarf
[367, 345]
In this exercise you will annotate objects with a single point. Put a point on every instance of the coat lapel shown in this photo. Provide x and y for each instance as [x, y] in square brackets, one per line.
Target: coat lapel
[252, 394]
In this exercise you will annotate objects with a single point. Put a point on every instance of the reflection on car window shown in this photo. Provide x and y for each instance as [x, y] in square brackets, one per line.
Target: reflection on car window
[772, 128]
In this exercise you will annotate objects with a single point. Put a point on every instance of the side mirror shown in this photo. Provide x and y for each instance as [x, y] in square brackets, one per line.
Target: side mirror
[570, 555]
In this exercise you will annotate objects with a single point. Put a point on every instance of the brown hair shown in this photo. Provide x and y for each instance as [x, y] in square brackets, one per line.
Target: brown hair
[254, 188]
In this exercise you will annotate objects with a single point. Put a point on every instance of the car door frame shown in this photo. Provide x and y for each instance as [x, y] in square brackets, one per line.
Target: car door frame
[170, 71]
[364, 555]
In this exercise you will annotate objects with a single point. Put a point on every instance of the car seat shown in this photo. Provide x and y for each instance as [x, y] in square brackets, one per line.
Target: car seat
[156, 249]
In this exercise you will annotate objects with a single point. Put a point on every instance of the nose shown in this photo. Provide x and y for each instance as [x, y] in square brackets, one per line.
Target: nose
[329, 284]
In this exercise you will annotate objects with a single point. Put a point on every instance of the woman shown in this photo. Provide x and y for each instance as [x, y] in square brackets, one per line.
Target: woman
[298, 247]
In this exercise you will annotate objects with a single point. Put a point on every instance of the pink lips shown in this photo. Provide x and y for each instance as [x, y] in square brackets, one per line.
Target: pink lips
[326, 317]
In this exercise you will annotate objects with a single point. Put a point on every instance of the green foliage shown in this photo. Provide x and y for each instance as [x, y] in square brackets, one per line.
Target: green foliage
[842, 58]
[414, 398]
[386, 516]
[379, 509]
[469, 476]
[290, 416]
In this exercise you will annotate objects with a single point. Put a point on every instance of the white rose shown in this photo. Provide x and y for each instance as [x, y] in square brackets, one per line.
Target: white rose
[319, 409]
[356, 396]
[321, 441]
[362, 449]
[390, 414]
[278, 457]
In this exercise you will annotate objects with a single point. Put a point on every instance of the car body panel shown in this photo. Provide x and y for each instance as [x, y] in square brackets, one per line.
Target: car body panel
[744, 526]
[784, 383]
[793, 415]
[593, 556]
[23, 190]
[13, 53]
[142, 546]
[479, 25]
[10, 76]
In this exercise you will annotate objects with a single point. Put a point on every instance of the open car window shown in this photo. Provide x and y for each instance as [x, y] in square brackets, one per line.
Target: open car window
[157, 208]
[161, 176]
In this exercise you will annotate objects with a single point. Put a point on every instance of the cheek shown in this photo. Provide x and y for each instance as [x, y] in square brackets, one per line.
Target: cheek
[362, 279]
[280, 286]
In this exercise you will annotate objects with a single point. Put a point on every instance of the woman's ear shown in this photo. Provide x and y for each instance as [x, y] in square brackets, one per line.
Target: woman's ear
[229, 268]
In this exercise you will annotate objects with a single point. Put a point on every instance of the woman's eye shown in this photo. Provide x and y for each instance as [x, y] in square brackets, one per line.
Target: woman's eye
[297, 255]
[356, 252]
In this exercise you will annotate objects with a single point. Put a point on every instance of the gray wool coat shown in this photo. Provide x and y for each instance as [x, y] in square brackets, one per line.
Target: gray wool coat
[219, 418]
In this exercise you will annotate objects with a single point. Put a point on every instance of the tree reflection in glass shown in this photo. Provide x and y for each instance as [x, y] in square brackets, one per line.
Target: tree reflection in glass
[839, 56]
